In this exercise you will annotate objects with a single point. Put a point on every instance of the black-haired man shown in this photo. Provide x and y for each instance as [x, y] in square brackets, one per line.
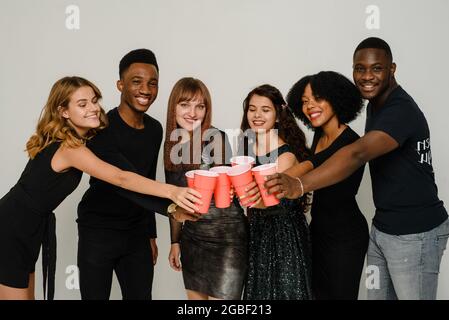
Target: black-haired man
[114, 225]
[411, 226]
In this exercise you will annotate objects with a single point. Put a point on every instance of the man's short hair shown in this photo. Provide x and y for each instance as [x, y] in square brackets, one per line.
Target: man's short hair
[137, 56]
[375, 43]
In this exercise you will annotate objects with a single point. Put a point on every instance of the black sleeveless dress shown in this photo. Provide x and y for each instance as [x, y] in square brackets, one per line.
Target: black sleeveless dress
[339, 229]
[279, 249]
[25, 215]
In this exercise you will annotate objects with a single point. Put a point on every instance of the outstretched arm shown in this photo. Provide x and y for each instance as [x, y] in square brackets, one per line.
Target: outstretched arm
[83, 159]
[100, 145]
[335, 169]
[286, 162]
[152, 228]
[299, 169]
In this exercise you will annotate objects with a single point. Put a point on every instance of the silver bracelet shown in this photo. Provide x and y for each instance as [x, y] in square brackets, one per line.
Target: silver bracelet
[302, 187]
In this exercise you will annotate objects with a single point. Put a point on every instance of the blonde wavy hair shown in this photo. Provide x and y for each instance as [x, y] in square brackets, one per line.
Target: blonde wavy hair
[52, 127]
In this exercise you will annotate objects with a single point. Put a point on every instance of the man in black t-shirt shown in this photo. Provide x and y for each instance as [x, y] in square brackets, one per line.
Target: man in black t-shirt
[410, 228]
[116, 227]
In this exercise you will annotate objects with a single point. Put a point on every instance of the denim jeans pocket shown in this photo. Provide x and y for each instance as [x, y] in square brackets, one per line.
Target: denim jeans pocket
[411, 237]
[442, 241]
[442, 235]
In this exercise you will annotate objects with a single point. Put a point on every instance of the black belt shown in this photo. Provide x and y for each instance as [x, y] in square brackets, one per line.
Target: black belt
[49, 256]
[48, 241]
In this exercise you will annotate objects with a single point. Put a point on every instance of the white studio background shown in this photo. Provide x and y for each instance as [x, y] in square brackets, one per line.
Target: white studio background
[233, 46]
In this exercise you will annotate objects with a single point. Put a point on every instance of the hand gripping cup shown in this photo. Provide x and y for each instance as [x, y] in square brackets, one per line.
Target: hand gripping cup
[259, 174]
[242, 160]
[222, 188]
[204, 181]
[241, 176]
[189, 177]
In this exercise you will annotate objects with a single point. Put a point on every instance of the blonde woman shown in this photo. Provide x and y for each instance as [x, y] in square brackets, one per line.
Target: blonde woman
[58, 157]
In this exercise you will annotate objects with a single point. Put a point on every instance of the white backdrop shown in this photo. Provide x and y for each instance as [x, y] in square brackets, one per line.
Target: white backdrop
[233, 46]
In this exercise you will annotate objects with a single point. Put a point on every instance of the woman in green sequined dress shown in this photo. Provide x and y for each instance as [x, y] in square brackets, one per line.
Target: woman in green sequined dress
[279, 247]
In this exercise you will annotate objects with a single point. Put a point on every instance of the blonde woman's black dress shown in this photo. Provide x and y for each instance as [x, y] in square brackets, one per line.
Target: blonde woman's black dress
[27, 221]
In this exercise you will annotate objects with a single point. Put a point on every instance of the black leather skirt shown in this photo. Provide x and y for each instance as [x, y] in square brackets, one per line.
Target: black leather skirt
[214, 253]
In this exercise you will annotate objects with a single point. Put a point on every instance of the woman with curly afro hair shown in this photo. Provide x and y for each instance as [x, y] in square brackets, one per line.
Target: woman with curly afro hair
[326, 102]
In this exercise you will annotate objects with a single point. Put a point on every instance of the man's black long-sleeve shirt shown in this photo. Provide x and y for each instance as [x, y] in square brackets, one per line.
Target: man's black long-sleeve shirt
[107, 206]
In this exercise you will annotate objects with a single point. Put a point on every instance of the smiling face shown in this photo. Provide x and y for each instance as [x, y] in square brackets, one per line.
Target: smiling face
[83, 110]
[139, 86]
[261, 114]
[318, 111]
[373, 73]
[190, 113]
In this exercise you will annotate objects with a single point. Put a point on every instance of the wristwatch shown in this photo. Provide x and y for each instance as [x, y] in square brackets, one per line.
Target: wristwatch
[171, 210]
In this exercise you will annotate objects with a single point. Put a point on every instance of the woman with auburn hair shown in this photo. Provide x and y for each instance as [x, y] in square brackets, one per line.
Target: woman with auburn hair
[58, 157]
[213, 250]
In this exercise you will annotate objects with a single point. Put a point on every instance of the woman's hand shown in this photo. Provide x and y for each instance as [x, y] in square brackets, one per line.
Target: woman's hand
[252, 195]
[154, 250]
[259, 204]
[173, 257]
[181, 215]
[186, 198]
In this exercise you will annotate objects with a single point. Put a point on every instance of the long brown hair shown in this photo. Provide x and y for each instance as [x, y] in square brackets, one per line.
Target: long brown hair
[288, 129]
[52, 127]
[186, 89]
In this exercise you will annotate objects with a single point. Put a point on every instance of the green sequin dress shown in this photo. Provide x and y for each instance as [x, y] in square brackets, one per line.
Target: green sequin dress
[279, 252]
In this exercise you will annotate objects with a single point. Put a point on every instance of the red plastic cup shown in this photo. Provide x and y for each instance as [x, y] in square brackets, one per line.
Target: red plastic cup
[241, 176]
[223, 187]
[242, 160]
[259, 175]
[204, 182]
[189, 177]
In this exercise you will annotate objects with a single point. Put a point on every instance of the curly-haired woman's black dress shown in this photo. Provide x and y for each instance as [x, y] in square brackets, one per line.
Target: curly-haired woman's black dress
[279, 250]
[339, 230]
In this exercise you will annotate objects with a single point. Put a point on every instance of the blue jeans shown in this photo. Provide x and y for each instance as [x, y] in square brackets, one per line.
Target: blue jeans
[407, 265]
